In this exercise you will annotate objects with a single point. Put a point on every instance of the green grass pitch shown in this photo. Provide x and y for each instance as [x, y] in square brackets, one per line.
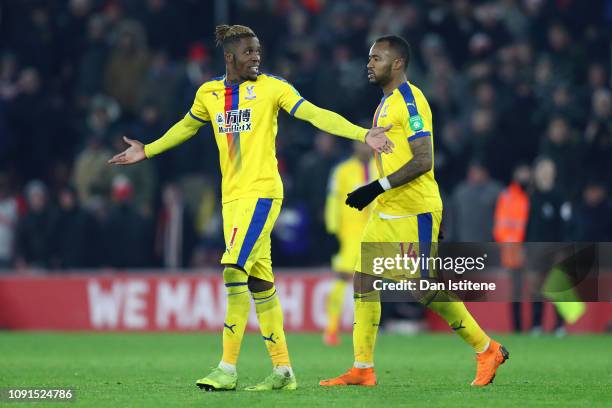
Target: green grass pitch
[159, 370]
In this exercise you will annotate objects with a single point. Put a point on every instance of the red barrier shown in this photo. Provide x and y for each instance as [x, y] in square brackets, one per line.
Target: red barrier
[191, 302]
[151, 302]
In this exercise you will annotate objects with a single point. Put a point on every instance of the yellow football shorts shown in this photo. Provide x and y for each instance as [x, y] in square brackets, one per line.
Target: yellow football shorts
[400, 235]
[247, 225]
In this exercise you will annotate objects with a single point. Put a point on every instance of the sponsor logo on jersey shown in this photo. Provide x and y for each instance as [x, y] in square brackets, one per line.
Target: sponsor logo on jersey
[235, 120]
[416, 122]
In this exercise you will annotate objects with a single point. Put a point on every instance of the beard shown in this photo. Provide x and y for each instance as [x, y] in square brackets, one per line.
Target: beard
[383, 79]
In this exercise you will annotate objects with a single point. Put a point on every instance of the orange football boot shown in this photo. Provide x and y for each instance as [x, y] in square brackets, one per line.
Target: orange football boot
[354, 376]
[331, 339]
[488, 362]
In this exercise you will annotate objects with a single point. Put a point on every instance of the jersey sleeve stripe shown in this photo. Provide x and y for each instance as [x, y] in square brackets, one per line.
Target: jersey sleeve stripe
[408, 98]
[297, 105]
[423, 133]
[276, 77]
[196, 118]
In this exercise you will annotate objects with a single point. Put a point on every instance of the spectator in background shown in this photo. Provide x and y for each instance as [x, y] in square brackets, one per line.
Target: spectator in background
[473, 206]
[545, 205]
[90, 67]
[175, 230]
[484, 141]
[512, 208]
[36, 40]
[161, 87]
[545, 226]
[75, 235]
[30, 114]
[141, 179]
[564, 56]
[125, 73]
[561, 149]
[35, 229]
[127, 235]
[91, 174]
[102, 116]
[511, 214]
[562, 104]
[310, 188]
[592, 217]
[598, 137]
[71, 23]
[9, 215]
[164, 23]
[597, 78]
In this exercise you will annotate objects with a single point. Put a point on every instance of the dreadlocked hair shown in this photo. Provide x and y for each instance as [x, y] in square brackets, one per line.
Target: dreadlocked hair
[226, 34]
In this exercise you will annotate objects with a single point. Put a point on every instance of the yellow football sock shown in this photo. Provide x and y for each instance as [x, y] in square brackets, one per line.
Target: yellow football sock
[236, 314]
[334, 305]
[367, 318]
[460, 320]
[270, 316]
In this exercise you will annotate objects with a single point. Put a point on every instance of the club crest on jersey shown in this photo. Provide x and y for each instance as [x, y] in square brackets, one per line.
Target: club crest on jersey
[383, 113]
[250, 93]
[235, 120]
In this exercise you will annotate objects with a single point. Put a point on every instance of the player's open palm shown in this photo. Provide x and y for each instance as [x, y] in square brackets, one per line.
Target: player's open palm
[132, 154]
[378, 140]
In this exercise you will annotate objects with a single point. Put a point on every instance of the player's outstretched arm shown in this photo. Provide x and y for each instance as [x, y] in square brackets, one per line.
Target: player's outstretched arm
[421, 163]
[177, 134]
[335, 124]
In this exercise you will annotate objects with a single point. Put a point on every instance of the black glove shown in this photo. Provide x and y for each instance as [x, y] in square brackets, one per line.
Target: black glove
[363, 196]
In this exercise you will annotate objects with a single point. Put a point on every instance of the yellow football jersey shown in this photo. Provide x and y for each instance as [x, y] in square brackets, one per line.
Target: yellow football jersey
[340, 219]
[244, 120]
[408, 111]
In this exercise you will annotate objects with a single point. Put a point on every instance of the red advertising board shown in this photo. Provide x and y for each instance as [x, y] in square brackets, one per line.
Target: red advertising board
[191, 302]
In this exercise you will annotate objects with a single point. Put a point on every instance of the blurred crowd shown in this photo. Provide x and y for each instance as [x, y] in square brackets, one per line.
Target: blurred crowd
[519, 90]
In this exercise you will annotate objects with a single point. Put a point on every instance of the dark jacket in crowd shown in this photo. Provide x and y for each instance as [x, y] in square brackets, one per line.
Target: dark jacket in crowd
[592, 223]
[75, 240]
[545, 223]
[34, 237]
[128, 238]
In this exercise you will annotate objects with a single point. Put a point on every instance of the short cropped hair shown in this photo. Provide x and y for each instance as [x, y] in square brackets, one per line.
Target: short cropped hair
[399, 45]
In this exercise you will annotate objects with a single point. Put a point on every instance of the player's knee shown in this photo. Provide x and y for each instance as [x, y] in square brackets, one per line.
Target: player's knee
[363, 283]
[235, 279]
[259, 285]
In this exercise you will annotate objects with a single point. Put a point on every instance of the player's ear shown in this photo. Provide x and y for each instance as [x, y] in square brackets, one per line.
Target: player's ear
[397, 64]
[229, 57]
